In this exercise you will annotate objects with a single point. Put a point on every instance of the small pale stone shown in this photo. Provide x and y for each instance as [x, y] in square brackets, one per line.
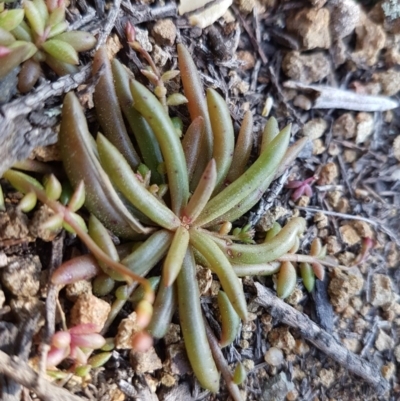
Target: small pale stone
[345, 16]
[204, 279]
[321, 220]
[344, 127]
[312, 25]
[164, 32]
[126, 330]
[303, 102]
[328, 174]
[343, 206]
[342, 287]
[89, 309]
[315, 128]
[144, 362]
[349, 156]
[13, 224]
[301, 347]
[168, 380]
[363, 229]
[382, 290]
[389, 81]
[333, 245]
[397, 353]
[396, 147]
[370, 41]
[383, 341]
[247, 59]
[281, 337]
[2, 298]
[21, 276]
[365, 126]
[349, 235]
[352, 344]
[295, 297]
[306, 68]
[246, 6]
[36, 224]
[388, 370]
[318, 147]
[274, 356]
[74, 290]
[160, 57]
[303, 201]
[327, 377]
[248, 364]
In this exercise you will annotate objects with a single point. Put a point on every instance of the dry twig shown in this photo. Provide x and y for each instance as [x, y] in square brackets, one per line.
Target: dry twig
[321, 339]
[22, 373]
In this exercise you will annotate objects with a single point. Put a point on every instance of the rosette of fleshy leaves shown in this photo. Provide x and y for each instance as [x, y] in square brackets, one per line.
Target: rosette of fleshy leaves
[38, 33]
[178, 200]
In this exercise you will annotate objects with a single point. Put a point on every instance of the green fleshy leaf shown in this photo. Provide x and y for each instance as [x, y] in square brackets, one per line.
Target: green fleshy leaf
[61, 51]
[10, 19]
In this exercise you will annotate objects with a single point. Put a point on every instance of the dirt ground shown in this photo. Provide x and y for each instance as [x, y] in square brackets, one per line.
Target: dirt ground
[332, 69]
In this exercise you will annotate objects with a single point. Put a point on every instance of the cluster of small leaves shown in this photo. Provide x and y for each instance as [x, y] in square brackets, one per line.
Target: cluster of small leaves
[76, 345]
[38, 33]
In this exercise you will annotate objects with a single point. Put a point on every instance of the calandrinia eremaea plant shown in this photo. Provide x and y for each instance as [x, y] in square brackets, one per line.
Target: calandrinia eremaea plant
[38, 33]
[179, 198]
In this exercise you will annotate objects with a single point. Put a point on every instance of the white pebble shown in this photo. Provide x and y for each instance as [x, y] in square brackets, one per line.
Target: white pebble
[274, 356]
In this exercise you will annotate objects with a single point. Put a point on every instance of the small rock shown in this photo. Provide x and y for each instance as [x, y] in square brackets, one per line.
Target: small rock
[306, 68]
[177, 361]
[303, 201]
[327, 377]
[318, 147]
[21, 276]
[248, 364]
[126, 330]
[321, 220]
[328, 174]
[292, 395]
[142, 36]
[396, 148]
[349, 235]
[164, 32]
[247, 59]
[383, 341]
[345, 16]
[342, 287]
[344, 127]
[36, 224]
[113, 46]
[89, 309]
[363, 229]
[204, 279]
[389, 81]
[313, 27]
[343, 206]
[352, 344]
[276, 388]
[370, 41]
[295, 297]
[73, 291]
[2, 298]
[393, 255]
[281, 337]
[246, 6]
[274, 356]
[144, 362]
[365, 126]
[347, 258]
[49, 153]
[160, 57]
[303, 102]
[334, 197]
[173, 334]
[381, 290]
[388, 370]
[168, 380]
[270, 217]
[349, 156]
[397, 353]
[333, 245]
[315, 128]
[13, 224]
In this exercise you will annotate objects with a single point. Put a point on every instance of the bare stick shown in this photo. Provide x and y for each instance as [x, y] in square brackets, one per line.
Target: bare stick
[21, 372]
[321, 339]
[221, 363]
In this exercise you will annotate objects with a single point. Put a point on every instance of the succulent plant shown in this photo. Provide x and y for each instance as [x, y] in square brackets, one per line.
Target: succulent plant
[177, 197]
[35, 34]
